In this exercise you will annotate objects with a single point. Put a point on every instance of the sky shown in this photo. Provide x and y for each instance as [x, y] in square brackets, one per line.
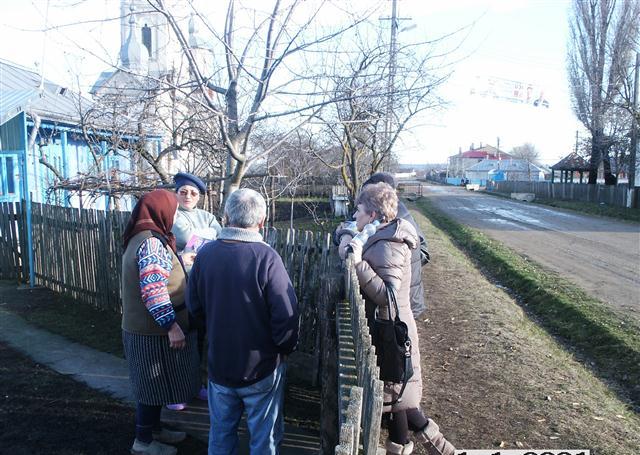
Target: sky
[502, 43]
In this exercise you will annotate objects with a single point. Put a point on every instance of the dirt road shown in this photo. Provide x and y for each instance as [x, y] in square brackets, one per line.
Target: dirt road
[493, 379]
[600, 255]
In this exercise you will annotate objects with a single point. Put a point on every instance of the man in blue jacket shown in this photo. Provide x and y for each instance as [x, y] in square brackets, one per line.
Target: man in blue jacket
[239, 287]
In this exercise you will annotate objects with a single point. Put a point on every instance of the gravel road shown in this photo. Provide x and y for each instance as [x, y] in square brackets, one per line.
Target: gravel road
[600, 255]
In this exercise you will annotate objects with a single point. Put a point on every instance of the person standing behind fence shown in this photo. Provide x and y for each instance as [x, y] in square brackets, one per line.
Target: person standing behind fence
[385, 260]
[419, 256]
[238, 285]
[160, 349]
[192, 221]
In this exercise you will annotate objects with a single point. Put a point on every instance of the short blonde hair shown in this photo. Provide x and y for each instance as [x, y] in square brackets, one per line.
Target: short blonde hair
[379, 198]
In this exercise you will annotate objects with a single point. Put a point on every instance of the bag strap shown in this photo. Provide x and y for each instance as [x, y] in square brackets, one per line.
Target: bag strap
[391, 299]
[405, 380]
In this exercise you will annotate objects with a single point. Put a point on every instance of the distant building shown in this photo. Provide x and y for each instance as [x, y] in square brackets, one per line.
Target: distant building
[458, 164]
[500, 170]
[144, 44]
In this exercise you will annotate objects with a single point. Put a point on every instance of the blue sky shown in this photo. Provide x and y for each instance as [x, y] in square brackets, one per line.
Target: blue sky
[515, 40]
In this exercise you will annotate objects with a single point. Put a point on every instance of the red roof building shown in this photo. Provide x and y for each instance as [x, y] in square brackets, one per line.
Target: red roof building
[462, 161]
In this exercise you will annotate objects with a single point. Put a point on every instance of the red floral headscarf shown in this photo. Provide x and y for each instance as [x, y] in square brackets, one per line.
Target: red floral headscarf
[153, 212]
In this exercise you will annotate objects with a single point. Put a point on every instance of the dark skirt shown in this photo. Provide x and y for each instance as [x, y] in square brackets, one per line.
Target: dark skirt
[159, 374]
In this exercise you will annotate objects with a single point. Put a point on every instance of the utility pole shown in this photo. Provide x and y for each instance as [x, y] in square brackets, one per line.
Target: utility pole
[393, 51]
[634, 130]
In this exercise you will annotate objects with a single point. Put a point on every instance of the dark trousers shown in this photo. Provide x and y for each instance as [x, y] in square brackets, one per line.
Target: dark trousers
[147, 421]
[402, 421]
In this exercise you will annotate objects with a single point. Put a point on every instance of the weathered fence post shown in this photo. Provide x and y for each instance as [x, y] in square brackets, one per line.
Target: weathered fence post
[329, 294]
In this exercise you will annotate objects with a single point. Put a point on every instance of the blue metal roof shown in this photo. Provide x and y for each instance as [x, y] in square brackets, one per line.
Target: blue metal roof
[511, 165]
[12, 103]
[20, 90]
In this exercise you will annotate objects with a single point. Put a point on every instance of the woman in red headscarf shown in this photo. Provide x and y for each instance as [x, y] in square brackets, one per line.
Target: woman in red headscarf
[160, 348]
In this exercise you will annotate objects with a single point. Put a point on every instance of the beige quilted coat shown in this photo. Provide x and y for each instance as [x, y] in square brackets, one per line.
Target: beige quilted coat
[386, 258]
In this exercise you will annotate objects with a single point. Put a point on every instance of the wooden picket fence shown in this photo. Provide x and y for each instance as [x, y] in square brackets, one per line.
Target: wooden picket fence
[615, 195]
[78, 252]
[307, 256]
[360, 390]
[13, 242]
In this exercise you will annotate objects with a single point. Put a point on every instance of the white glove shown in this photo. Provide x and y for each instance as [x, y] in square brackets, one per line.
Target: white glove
[344, 243]
[357, 251]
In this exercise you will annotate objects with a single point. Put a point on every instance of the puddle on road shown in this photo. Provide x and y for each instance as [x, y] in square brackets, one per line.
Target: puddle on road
[502, 222]
[507, 217]
[518, 215]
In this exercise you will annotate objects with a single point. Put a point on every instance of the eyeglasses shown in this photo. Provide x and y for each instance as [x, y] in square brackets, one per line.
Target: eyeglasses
[186, 193]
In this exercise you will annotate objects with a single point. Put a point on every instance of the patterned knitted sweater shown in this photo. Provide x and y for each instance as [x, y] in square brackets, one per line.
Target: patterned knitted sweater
[154, 263]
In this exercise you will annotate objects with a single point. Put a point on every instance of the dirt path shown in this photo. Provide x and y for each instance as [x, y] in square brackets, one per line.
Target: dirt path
[602, 256]
[492, 378]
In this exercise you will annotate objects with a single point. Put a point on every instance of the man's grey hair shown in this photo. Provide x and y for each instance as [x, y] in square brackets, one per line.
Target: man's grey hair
[245, 208]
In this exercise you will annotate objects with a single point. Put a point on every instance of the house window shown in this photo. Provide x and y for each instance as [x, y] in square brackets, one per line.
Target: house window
[11, 184]
[146, 38]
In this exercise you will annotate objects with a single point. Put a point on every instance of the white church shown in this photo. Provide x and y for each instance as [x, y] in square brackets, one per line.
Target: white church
[150, 61]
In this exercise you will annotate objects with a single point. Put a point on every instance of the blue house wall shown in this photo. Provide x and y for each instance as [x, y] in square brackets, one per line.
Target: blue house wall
[12, 146]
[65, 149]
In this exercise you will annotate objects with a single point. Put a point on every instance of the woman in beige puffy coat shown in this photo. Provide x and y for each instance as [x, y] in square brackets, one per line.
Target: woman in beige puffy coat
[385, 260]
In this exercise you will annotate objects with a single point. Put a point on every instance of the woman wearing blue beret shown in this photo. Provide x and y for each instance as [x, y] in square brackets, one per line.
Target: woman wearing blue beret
[192, 227]
[191, 220]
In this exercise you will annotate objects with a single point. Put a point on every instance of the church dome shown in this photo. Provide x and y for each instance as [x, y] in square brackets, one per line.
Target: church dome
[133, 55]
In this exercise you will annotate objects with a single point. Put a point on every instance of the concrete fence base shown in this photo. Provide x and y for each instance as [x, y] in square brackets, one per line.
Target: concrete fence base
[526, 197]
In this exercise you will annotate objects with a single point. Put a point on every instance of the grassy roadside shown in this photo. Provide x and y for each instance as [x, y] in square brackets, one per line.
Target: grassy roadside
[493, 378]
[612, 344]
[590, 208]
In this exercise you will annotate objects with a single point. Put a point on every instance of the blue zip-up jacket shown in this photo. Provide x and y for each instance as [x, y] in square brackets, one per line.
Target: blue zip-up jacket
[243, 294]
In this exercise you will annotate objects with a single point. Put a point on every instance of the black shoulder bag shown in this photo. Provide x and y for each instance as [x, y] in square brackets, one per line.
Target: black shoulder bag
[393, 347]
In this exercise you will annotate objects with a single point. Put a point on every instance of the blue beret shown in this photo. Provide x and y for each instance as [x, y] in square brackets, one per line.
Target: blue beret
[184, 178]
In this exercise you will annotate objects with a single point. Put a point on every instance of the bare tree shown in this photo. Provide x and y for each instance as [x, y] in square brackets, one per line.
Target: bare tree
[369, 119]
[603, 33]
[262, 75]
[133, 134]
[527, 152]
[286, 168]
